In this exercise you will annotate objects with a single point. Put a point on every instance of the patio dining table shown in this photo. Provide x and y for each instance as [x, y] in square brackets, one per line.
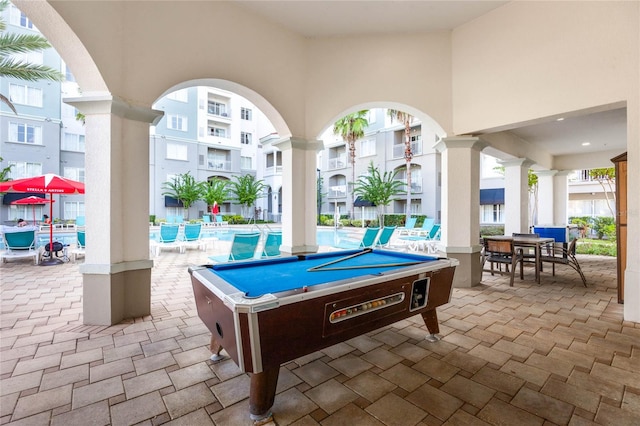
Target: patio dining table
[529, 242]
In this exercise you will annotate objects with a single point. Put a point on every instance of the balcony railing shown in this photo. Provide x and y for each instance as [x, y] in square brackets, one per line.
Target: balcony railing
[398, 149]
[338, 163]
[273, 170]
[337, 191]
[416, 185]
[223, 165]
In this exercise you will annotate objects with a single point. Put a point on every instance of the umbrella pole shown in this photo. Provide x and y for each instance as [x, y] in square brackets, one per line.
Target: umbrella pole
[51, 261]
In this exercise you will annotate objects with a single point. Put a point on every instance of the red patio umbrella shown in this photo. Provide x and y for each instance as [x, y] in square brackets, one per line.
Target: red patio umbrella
[46, 184]
[32, 200]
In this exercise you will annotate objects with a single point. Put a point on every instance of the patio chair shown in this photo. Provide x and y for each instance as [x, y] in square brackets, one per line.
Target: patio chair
[272, 243]
[80, 221]
[168, 238]
[79, 249]
[384, 237]
[20, 244]
[243, 247]
[206, 220]
[503, 252]
[409, 226]
[193, 236]
[369, 238]
[559, 255]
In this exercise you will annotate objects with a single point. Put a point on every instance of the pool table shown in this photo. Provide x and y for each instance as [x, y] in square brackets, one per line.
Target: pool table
[267, 312]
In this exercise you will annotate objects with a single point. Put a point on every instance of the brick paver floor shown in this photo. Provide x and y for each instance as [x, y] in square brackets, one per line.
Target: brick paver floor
[550, 354]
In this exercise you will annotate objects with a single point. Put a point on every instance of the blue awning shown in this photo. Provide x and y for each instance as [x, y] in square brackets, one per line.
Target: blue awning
[491, 196]
[172, 202]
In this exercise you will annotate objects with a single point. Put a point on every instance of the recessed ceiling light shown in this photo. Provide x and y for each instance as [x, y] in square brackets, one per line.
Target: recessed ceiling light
[586, 143]
[560, 119]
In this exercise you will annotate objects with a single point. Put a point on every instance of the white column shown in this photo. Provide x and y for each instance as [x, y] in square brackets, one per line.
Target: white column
[117, 269]
[460, 235]
[561, 197]
[516, 195]
[299, 197]
[546, 197]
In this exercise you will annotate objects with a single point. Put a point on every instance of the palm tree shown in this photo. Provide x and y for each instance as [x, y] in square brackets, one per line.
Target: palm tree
[379, 189]
[5, 171]
[405, 118]
[11, 44]
[351, 128]
[215, 191]
[247, 189]
[186, 189]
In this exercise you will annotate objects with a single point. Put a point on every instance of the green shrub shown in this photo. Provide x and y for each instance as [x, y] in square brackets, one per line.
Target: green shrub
[490, 230]
[600, 224]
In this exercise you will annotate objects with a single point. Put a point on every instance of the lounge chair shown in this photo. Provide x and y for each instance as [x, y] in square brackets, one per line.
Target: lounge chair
[243, 247]
[272, 243]
[220, 222]
[79, 249]
[206, 220]
[20, 243]
[168, 238]
[409, 226]
[421, 242]
[80, 221]
[384, 237]
[425, 229]
[369, 238]
[193, 236]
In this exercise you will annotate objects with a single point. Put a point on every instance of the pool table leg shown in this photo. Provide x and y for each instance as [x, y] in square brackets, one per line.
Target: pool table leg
[215, 348]
[262, 394]
[430, 318]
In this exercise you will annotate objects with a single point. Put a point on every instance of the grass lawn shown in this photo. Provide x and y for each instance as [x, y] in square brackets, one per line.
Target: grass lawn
[592, 246]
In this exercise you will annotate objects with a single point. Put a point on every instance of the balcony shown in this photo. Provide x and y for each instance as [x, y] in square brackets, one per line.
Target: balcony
[416, 184]
[337, 162]
[337, 191]
[398, 149]
[219, 165]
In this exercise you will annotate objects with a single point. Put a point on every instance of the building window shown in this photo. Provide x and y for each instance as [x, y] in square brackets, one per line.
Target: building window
[25, 95]
[25, 133]
[371, 116]
[73, 209]
[245, 113]
[24, 170]
[218, 160]
[74, 173]
[246, 163]
[34, 58]
[218, 131]
[177, 122]
[179, 95]
[176, 151]
[367, 147]
[68, 75]
[245, 138]
[73, 142]
[492, 213]
[19, 19]
[216, 108]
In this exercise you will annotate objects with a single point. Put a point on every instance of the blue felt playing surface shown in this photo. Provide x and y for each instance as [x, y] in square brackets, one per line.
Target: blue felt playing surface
[275, 275]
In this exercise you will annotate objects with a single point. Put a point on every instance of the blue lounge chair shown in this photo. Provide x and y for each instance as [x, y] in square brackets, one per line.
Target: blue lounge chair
[425, 229]
[220, 222]
[80, 221]
[272, 243]
[369, 238]
[420, 242]
[384, 237]
[193, 236]
[20, 244]
[168, 238]
[243, 247]
[409, 226]
[79, 249]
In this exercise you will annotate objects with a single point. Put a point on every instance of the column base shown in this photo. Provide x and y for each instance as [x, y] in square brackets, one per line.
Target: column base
[469, 272]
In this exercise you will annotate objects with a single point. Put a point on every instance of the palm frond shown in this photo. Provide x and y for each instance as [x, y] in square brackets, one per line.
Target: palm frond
[22, 43]
[28, 72]
[7, 102]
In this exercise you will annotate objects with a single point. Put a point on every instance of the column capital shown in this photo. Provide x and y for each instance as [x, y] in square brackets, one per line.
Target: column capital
[106, 103]
[299, 143]
[517, 162]
[545, 173]
[471, 142]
